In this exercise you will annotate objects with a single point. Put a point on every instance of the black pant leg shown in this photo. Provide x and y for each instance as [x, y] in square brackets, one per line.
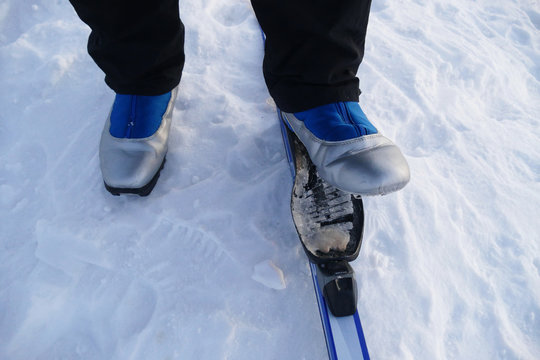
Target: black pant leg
[313, 50]
[139, 44]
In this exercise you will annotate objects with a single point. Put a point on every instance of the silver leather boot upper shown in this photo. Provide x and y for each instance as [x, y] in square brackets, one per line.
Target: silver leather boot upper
[128, 163]
[365, 165]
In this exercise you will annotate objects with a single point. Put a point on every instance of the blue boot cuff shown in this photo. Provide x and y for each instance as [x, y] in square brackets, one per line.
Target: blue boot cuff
[137, 116]
[337, 122]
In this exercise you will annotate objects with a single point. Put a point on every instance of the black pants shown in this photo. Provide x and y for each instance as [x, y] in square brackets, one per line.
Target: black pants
[313, 47]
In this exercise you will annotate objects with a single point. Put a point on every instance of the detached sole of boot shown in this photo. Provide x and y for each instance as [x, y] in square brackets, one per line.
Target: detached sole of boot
[142, 191]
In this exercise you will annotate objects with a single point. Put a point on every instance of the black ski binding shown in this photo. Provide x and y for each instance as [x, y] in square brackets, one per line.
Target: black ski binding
[339, 287]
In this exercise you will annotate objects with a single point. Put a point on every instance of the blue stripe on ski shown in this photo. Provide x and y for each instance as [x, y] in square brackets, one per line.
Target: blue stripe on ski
[361, 337]
[325, 317]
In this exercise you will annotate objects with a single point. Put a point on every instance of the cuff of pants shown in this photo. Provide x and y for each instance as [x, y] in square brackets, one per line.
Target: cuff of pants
[139, 44]
[151, 86]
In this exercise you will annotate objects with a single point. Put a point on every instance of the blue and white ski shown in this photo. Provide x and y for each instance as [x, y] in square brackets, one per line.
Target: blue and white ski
[344, 335]
[320, 210]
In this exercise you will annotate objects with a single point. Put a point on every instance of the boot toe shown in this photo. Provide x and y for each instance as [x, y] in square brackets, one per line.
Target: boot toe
[374, 171]
[129, 169]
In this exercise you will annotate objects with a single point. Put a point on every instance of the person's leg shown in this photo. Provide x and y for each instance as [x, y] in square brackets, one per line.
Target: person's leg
[312, 53]
[313, 50]
[139, 44]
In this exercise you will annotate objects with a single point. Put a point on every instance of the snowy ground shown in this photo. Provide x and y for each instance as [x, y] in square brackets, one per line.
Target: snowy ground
[208, 266]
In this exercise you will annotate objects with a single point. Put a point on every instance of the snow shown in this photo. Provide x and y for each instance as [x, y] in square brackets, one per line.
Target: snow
[268, 274]
[449, 268]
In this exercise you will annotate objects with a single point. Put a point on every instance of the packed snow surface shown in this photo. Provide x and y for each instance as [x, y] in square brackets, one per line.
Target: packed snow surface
[450, 266]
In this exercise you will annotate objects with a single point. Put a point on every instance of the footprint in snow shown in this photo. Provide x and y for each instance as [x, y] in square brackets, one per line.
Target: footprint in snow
[534, 17]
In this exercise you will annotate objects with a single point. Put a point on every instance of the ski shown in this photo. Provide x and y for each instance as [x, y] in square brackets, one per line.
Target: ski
[330, 213]
[325, 215]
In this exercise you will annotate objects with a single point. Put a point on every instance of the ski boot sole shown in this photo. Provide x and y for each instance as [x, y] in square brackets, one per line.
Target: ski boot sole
[142, 191]
[321, 208]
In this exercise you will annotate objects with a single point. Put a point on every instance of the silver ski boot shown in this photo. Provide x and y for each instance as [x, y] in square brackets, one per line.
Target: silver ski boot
[348, 151]
[134, 142]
